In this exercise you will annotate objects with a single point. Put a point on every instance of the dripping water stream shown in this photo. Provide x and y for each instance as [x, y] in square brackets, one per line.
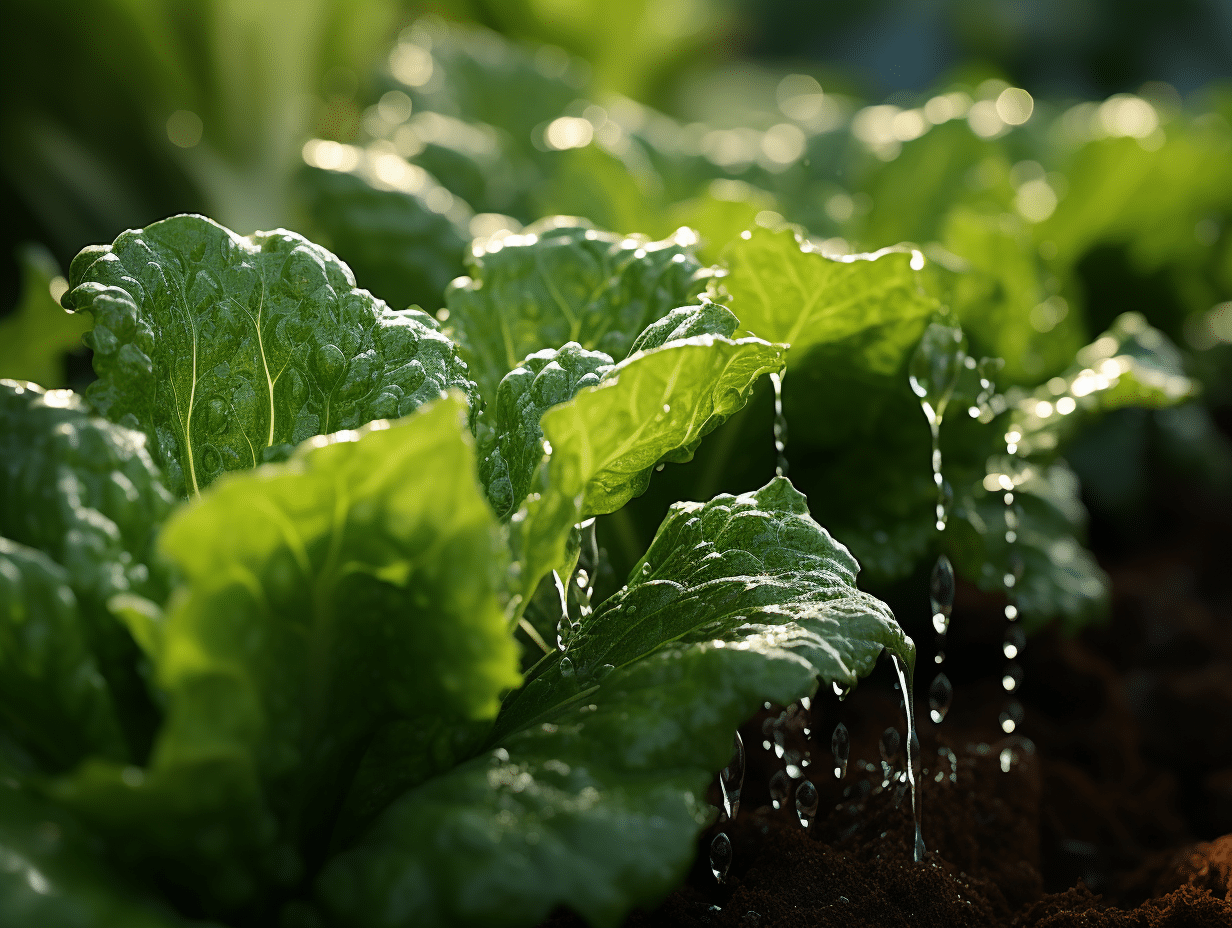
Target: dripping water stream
[780, 424]
[933, 374]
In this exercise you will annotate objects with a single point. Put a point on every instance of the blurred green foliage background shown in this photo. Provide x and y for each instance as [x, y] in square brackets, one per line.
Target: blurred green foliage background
[394, 137]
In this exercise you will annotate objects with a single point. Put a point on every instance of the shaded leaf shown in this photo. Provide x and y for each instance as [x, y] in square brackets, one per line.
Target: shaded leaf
[38, 333]
[405, 252]
[85, 492]
[53, 700]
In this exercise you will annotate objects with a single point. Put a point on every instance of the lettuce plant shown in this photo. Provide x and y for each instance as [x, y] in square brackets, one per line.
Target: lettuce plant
[303, 619]
[261, 587]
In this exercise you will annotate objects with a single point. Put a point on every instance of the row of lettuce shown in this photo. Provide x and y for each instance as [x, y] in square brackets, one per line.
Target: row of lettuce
[289, 625]
[263, 583]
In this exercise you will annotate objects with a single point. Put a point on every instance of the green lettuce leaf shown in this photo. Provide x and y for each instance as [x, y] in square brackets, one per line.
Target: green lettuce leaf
[785, 291]
[599, 772]
[684, 322]
[54, 874]
[562, 281]
[652, 408]
[38, 333]
[225, 350]
[53, 700]
[85, 492]
[324, 600]
[549, 378]
[545, 379]
[1132, 364]
[405, 252]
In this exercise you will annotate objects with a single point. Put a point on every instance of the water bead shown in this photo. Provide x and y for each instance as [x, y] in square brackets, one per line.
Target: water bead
[840, 747]
[940, 695]
[806, 802]
[720, 856]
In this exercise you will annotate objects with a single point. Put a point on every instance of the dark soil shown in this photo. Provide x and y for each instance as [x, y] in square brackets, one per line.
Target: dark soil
[1117, 812]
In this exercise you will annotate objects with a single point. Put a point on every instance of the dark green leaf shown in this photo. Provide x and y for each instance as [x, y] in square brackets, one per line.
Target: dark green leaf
[545, 379]
[599, 775]
[224, 350]
[53, 700]
[54, 875]
[684, 322]
[85, 492]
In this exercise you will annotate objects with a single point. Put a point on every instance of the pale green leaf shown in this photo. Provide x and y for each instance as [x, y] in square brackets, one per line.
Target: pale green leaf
[324, 600]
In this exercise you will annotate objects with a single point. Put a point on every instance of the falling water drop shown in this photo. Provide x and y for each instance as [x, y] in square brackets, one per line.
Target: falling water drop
[941, 588]
[889, 745]
[720, 856]
[732, 779]
[1015, 641]
[841, 691]
[806, 802]
[914, 776]
[1011, 680]
[563, 627]
[780, 424]
[940, 694]
[840, 747]
[586, 578]
[933, 374]
[780, 788]
[1011, 718]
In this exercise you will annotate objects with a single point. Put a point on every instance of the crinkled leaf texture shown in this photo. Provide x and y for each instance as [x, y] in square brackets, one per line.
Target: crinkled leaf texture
[324, 600]
[548, 378]
[54, 875]
[560, 280]
[85, 492]
[54, 702]
[592, 794]
[38, 333]
[653, 407]
[543, 380]
[225, 350]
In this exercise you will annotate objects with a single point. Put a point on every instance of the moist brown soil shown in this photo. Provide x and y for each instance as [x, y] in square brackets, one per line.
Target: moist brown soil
[1116, 812]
